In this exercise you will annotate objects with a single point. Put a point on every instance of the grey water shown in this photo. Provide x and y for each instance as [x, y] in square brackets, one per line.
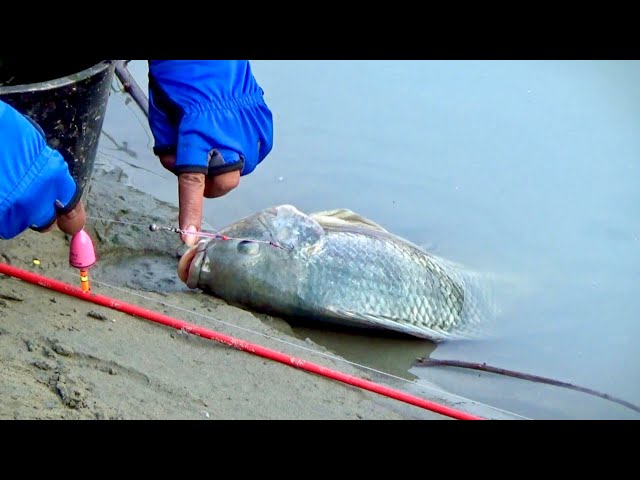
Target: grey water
[528, 170]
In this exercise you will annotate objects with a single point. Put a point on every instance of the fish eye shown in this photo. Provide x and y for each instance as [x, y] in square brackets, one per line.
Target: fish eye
[248, 248]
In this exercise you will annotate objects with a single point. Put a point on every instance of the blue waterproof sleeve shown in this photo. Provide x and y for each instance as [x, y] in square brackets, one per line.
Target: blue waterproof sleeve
[210, 113]
[34, 177]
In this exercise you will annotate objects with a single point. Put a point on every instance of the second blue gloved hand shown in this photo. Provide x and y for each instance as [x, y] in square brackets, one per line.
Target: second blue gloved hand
[210, 113]
[35, 184]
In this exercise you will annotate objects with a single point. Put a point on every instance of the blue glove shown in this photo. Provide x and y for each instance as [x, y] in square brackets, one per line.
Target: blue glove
[210, 113]
[35, 183]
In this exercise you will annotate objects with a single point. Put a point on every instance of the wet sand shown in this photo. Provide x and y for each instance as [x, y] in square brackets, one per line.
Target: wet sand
[65, 358]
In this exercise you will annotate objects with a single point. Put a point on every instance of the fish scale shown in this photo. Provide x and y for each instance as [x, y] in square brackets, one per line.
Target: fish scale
[356, 273]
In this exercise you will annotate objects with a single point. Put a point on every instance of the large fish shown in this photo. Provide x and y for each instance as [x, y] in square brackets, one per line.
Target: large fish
[340, 267]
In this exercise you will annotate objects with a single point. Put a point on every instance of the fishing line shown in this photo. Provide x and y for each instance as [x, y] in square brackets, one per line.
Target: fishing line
[215, 235]
[145, 225]
[117, 159]
[329, 356]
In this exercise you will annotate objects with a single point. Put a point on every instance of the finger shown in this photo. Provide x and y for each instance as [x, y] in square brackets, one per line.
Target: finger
[185, 263]
[168, 161]
[73, 221]
[221, 184]
[190, 197]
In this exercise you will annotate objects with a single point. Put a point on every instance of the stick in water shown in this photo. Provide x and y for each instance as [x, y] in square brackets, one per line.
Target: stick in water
[131, 86]
[428, 362]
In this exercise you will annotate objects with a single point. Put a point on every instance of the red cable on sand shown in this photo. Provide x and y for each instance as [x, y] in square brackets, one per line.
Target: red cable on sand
[231, 341]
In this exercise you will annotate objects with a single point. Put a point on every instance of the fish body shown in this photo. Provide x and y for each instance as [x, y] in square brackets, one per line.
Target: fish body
[340, 267]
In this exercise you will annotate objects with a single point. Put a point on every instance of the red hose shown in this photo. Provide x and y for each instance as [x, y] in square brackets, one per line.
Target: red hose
[232, 342]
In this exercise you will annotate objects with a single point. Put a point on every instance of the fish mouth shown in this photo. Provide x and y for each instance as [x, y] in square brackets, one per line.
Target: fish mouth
[190, 263]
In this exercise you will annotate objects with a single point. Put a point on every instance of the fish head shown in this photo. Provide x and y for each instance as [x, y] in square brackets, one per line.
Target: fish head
[257, 245]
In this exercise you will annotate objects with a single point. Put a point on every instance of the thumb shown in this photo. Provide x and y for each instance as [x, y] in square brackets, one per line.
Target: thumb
[190, 198]
[73, 221]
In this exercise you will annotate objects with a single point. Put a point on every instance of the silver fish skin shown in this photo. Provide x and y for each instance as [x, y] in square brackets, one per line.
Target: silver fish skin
[340, 267]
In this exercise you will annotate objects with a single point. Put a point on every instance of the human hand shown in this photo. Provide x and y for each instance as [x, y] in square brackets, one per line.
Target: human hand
[192, 189]
[211, 126]
[36, 189]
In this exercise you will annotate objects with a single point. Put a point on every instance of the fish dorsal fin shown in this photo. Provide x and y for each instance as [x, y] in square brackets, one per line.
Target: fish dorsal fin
[345, 220]
[343, 217]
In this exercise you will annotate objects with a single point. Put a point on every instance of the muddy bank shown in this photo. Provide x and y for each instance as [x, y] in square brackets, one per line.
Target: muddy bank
[68, 359]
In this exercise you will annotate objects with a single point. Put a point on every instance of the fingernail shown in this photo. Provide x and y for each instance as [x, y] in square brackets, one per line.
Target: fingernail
[190, 240]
